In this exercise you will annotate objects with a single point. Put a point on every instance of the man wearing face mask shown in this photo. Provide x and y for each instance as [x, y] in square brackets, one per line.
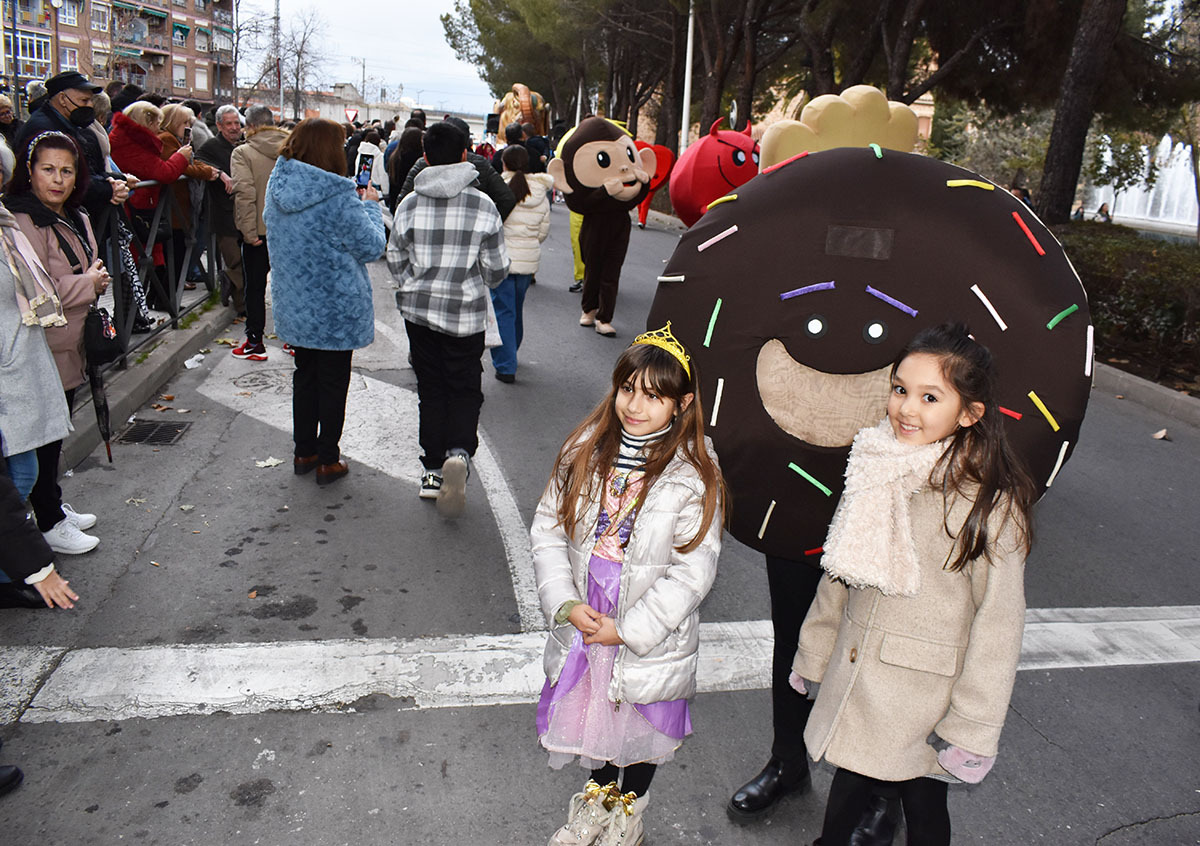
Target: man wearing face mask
[68, 109]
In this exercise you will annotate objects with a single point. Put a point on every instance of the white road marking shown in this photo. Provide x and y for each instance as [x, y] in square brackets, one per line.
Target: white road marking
[381, 432]
[458, 671]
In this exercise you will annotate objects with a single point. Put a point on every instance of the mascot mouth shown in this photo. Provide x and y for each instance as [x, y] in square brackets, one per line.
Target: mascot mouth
[819, 408]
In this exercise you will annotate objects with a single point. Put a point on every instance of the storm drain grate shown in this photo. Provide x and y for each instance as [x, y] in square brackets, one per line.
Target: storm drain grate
[153, 432]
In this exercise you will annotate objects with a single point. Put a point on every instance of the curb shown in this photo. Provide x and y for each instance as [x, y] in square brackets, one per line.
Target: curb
[1150, 395]
[128, 390]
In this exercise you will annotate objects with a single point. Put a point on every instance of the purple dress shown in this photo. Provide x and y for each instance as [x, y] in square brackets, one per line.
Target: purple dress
[575, 716]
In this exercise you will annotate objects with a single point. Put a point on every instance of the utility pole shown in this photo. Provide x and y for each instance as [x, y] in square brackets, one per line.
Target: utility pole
[362, 88]
[279, 61]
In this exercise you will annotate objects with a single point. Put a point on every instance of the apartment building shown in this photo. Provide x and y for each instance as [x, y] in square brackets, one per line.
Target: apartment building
[176, 48]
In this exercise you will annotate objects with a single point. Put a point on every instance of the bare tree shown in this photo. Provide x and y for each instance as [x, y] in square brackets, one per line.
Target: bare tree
[304, 58]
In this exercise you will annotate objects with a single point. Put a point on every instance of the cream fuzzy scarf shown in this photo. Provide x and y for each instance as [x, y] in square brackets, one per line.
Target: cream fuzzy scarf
[870, 539]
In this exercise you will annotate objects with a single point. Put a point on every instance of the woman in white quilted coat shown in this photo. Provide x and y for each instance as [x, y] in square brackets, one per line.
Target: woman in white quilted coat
[525, 229]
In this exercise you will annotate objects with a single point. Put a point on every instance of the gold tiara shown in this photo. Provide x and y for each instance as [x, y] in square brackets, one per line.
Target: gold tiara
[664, 340]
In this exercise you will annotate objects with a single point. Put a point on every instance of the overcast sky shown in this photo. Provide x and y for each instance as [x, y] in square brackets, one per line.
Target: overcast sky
[403, 43]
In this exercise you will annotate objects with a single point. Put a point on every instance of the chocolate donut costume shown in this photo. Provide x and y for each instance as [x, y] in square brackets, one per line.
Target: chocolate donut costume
[795, 294]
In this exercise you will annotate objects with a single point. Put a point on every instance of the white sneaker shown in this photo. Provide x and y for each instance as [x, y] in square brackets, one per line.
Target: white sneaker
[81, 521]
[587, 818]
[625, 828]
[452, 497]
[431, 483]
[67, 538]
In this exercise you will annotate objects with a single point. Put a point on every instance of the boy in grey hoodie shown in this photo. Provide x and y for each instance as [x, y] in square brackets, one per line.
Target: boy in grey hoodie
[448, 221]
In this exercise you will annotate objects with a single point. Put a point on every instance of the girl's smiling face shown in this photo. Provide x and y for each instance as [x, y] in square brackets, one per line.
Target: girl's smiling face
[641, 411]
[923, 407]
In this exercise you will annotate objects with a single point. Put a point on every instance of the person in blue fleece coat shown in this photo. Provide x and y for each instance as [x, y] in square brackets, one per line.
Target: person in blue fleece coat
[321, 232]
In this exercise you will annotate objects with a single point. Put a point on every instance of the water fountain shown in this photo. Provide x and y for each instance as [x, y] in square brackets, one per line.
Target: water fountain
[1168, 207]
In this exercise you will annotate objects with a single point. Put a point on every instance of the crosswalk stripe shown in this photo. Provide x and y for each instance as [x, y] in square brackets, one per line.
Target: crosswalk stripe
[464, 671]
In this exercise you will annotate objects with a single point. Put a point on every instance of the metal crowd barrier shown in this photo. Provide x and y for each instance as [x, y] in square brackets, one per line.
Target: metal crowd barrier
[111, 241]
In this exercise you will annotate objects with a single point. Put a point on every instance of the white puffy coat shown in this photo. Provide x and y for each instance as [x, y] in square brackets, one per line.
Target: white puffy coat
[661, 588]
[527, 226]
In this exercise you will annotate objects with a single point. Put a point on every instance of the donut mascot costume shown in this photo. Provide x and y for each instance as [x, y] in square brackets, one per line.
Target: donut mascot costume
[796, 293]
[602, 175]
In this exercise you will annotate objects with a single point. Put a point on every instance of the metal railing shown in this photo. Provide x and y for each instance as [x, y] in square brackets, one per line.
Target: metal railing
[168, 296]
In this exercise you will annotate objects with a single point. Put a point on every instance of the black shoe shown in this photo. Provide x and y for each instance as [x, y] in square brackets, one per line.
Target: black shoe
[506, 378]
[10, 778]
[20, 596]
[533, 279]
[878, 824]
[141, 325]
[576, 288]
[757, 797]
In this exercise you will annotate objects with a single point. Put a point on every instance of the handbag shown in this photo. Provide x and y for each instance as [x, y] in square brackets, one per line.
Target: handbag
[100, 340]
[491, 328]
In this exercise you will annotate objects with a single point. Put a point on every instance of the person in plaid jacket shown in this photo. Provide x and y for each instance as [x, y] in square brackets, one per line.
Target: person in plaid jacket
[446, 250]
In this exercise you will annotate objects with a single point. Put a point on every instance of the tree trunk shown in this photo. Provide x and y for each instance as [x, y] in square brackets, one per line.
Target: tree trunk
[1099, 24]
[745, 94]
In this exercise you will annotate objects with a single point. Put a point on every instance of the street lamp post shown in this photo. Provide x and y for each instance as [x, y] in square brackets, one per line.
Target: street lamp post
[57, 66]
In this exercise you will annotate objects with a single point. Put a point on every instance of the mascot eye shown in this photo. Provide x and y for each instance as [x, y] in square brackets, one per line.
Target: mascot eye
[739, 158]
[875, 332]
[754, 156]
[815, 326]
[632, 157]
[602, 159]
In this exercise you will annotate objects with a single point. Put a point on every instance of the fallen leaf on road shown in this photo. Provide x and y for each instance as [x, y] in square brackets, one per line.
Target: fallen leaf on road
[272, 337]
[252, 594]
[244, 394]
[1161, 435]
[167, 397]
[228, 342]
[1120, 396]
[183, 411]
[155, 563]
[158, 406]
[133, 500]
[270, 462]
[187, 508]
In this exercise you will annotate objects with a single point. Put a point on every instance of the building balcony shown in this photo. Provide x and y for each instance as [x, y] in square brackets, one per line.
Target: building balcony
[222, 16]
[223, 57]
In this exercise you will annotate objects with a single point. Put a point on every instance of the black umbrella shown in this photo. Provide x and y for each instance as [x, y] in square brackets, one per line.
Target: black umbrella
[100, 403]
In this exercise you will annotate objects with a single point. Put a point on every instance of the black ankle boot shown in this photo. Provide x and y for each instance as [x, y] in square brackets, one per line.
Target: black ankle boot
[757, 797]
[878, 824]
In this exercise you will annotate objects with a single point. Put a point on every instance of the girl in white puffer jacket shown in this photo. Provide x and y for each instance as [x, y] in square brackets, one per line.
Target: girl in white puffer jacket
[525, 228]
[625, 546]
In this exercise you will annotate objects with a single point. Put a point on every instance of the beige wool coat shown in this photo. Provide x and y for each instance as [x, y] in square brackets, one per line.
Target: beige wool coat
[250, 166]
[895, 669]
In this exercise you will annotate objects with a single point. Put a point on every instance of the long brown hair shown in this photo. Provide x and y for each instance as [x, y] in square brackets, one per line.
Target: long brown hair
[978, 463]
[516, 159]
[589, 451]
[317, 142]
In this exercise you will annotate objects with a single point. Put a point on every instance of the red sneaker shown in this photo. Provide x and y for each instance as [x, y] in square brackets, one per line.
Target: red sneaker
[251, 351]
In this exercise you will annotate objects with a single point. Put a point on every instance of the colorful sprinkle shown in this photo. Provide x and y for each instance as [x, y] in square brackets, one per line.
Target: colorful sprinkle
[1015, 415]
[766, 519]
[678, 278]
[814, 551]
[970, 183]
[808, 289]
[728, 198]
[878, 150]
[909, 310]
[786, 161]
[1062, 454]
[1091, 350]
[1045, 411]
[712, 321]
[991, 308]
[1028, 234]
[717, 402]
[1066, 312]
[714, 239]
[816, 484]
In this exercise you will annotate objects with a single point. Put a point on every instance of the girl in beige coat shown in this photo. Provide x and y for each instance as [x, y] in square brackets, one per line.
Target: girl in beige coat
[911, 645]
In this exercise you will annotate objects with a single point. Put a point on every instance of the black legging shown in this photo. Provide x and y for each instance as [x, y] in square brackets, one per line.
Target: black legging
[46, 495]
[637, 777]
[926, 818]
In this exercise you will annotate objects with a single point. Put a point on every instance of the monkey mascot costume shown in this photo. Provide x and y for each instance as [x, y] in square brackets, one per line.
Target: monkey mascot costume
[603, 175]
[795, 294]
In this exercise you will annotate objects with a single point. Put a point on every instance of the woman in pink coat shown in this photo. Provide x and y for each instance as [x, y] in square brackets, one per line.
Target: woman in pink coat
[45, 196]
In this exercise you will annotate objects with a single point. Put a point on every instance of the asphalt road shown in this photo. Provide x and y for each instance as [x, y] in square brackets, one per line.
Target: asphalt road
[257, 660]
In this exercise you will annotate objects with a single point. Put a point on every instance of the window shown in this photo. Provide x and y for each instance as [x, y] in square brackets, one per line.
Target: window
[201, 5]
[201, 79]
[33, 54]
[180, 76]
[179, 35]
[101, 13]
[100, 61]
[68, 59]
[69, 13]
[202, 41]
[222, 41]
